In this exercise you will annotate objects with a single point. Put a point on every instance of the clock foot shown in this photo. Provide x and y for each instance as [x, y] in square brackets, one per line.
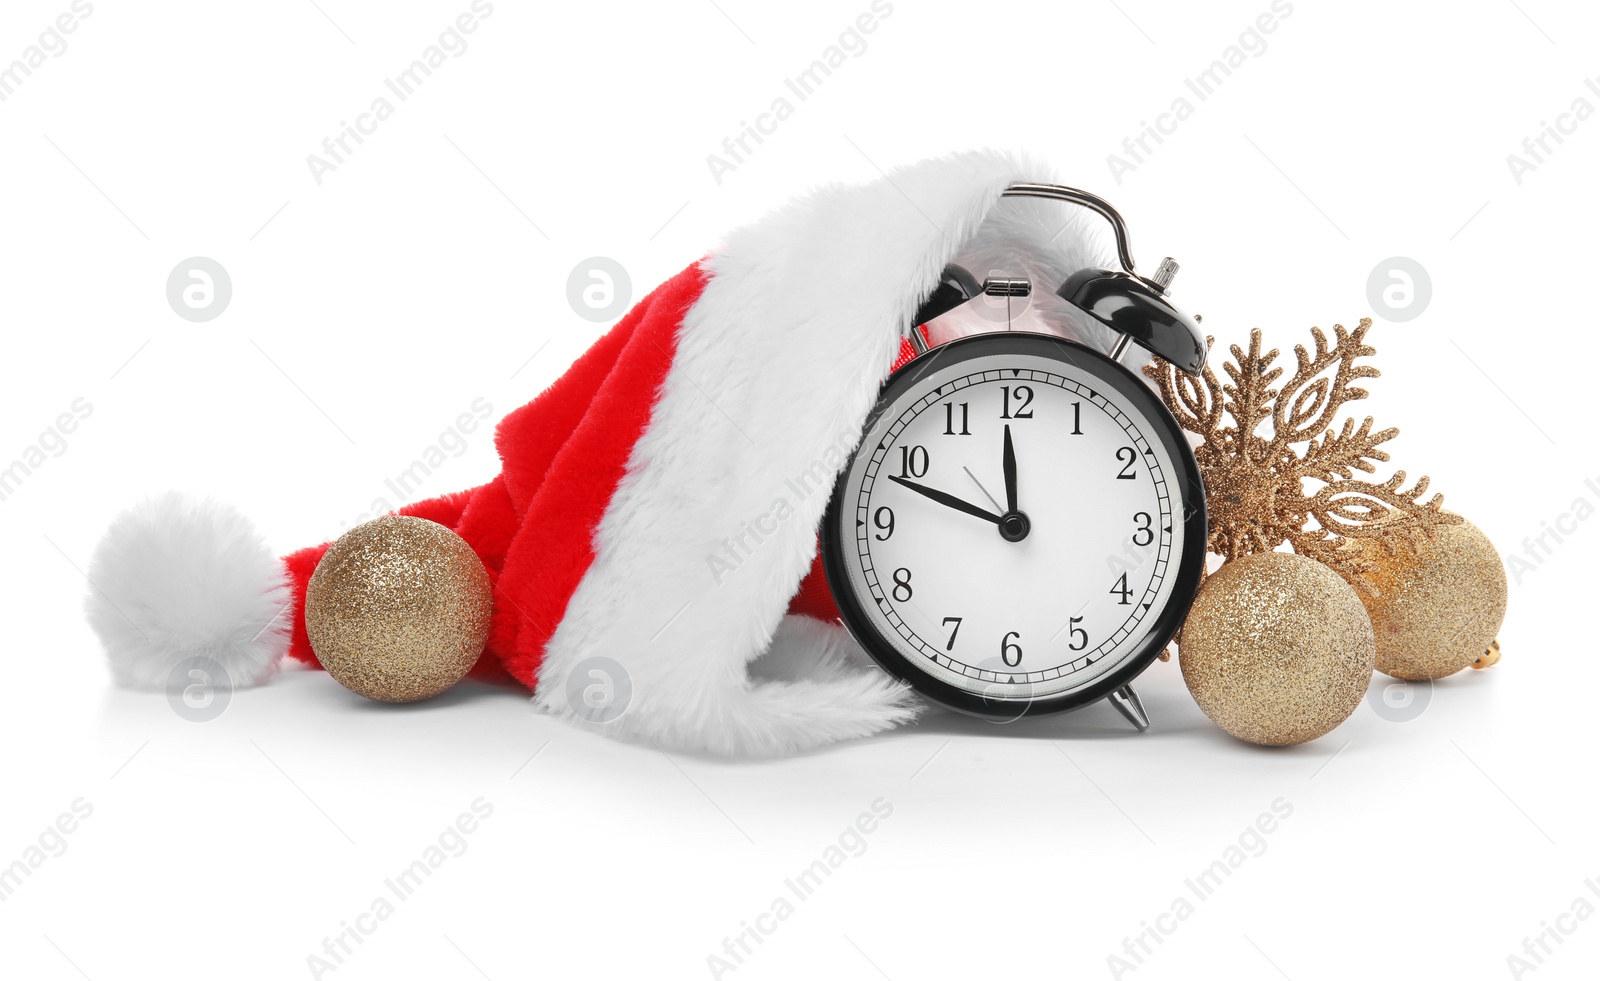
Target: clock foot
[1127, 702]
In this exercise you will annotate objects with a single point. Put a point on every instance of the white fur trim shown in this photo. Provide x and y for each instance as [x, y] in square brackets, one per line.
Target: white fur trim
[175, 578]
[777, 365]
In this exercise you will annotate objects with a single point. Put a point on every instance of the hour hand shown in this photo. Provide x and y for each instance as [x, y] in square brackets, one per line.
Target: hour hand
[948, 500]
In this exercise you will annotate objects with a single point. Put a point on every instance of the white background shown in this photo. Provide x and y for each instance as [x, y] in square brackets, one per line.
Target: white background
[369, 311]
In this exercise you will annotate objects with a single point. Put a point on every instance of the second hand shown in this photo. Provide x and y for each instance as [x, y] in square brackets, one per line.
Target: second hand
[985, 491]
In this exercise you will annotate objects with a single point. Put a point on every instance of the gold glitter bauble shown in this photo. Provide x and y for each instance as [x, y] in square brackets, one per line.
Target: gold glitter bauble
[398, 609]
[1277, 649]
[1437, 606]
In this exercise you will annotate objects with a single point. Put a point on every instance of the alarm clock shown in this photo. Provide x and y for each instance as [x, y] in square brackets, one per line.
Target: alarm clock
[1022, 527]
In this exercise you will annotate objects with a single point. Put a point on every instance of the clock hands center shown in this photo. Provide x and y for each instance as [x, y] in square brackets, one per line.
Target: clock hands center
[1012, 524]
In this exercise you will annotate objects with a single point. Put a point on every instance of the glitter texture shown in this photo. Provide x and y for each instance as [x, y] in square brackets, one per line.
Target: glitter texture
[1257, 493]
[1277, 649]
[398, 609]
[1435, 608]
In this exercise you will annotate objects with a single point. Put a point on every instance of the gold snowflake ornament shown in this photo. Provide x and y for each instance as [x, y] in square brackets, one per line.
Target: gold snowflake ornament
[1261, 491]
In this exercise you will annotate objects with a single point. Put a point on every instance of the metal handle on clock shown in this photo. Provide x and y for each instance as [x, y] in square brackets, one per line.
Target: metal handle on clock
[1133, 307]
[1100, 206]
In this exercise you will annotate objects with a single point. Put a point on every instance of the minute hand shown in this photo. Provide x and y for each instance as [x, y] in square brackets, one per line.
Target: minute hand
[1008, 464]
[948, 500]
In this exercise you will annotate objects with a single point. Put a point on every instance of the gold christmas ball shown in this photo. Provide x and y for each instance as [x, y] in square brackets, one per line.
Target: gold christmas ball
[1277, 649]
[1435, 608]
[398, 609]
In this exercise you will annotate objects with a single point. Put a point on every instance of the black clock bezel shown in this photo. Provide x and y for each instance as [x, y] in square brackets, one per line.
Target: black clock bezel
[1190, 567]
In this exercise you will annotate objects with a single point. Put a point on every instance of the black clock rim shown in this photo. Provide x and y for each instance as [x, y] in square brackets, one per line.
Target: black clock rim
[1190, 566]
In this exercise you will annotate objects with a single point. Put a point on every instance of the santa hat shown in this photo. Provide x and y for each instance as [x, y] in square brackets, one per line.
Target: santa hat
[658, 505]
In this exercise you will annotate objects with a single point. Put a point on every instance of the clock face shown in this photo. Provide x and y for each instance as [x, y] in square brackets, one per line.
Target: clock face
[1018, 530]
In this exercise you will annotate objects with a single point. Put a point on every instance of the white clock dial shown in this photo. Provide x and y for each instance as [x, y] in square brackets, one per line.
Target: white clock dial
[1020, 590]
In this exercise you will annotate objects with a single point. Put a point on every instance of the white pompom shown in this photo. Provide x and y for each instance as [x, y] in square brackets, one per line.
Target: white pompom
[176, 578]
